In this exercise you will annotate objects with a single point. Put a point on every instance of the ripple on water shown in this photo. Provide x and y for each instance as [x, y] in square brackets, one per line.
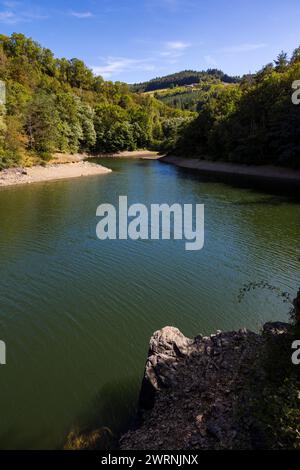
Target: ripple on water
[77, 313]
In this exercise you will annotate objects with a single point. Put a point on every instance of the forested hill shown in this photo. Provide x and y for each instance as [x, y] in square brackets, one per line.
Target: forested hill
[254, 121]
[186, 77]
[59, 105]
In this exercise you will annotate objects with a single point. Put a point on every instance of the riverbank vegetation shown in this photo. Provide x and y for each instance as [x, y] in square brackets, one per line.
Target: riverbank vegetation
[60, 105]
[272, 399]
[252, 122]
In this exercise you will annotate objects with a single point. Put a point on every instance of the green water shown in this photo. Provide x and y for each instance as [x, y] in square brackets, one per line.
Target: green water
[76, 313]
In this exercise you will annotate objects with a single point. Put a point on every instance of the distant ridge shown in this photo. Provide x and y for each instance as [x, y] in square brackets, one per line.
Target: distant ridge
[186, 77]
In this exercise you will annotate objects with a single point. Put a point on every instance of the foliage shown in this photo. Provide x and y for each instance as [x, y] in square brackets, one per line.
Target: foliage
[284, 296]
[41, 124]
[99, 439]
[186, 77]
[189, 98]
[274, 401]
[276, 405]
[59, 105]
[254, 121]
[172, 130]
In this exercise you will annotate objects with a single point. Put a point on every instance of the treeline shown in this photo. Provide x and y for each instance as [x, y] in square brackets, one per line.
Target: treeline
[59, 105]
[254, 121]
[186, 77]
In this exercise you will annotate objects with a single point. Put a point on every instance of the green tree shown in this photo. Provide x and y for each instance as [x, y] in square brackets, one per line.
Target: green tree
[295, 56]
[42, 121]
[281, 61]
[86, 118]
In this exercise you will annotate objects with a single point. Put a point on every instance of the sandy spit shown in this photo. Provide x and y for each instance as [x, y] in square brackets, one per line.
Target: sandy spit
[35, 174]
[137, 154]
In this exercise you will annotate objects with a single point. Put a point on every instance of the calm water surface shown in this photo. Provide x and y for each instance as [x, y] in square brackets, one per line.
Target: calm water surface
[77, 313]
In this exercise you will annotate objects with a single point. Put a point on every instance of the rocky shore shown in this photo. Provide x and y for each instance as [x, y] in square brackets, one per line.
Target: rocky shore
[195, 391]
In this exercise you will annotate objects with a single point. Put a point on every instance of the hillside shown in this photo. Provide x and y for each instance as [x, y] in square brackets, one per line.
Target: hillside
[186, 77]
[189, 97]
[59, 105]
[253, 122]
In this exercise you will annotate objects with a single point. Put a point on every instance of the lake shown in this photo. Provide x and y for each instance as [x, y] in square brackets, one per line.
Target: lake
[76, 313]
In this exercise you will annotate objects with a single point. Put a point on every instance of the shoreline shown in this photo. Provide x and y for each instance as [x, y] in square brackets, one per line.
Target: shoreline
[133, 154]
[50, 172]
[246, 173]
[66, 166]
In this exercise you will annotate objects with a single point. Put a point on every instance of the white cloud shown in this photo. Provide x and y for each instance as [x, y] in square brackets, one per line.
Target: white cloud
[174, 49]
[243, 48]
[114, 66]
[82, 14]
[177, 45]
[117, 65]
[9, 17]
[14, 14]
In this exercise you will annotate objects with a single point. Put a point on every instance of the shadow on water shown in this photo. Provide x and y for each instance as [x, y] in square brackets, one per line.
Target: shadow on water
[22, 440]
[113, 407]
[283, 190]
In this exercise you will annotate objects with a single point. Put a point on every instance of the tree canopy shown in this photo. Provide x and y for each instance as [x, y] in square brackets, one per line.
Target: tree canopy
[186, 77]
[59, 105]
[253, 121]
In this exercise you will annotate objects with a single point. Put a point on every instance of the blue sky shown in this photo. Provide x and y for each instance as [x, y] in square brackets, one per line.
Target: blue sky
[135, 40]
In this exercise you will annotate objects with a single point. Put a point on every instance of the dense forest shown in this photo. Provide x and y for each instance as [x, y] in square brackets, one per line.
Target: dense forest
[186, 77]
[186, 99]
[253, 121]
[59, 105]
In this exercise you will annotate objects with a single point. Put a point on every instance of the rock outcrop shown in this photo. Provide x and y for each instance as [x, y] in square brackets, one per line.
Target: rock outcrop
[193, 391]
